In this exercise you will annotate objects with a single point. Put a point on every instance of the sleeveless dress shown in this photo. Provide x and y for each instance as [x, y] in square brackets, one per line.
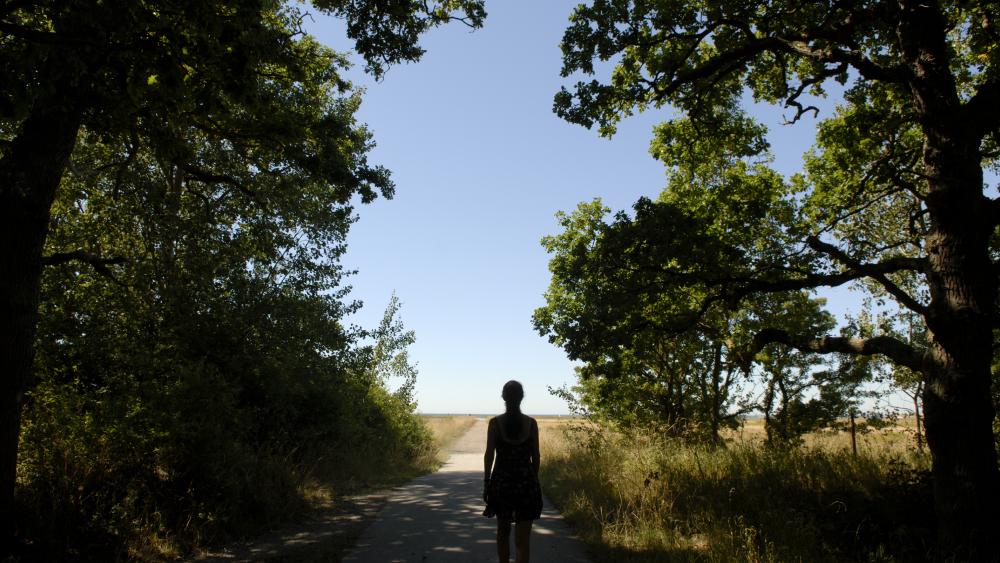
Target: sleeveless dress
[513, 492]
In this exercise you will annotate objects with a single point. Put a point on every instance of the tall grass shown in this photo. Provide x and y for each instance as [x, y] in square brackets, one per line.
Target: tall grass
[640, 498]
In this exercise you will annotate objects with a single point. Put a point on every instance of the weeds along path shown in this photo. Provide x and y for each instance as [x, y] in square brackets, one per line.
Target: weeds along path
[438, 518]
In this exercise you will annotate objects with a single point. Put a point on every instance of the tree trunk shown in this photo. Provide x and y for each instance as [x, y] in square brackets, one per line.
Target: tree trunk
[784, 421]
[716, 400]
[30, 171]
[917, 411]
[768, 407]
[854, 435]
[958, 410]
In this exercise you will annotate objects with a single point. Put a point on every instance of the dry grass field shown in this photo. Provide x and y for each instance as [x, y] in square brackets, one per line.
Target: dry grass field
[446, 429]
[899, 438]
[636, 498]
[644, 499]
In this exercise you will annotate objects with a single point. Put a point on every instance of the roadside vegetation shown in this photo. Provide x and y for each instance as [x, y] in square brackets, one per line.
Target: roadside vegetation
[638, 497]
[117, 465]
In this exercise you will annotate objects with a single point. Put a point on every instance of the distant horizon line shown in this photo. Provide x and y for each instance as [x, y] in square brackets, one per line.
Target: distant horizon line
[567, 415]
[487, 414]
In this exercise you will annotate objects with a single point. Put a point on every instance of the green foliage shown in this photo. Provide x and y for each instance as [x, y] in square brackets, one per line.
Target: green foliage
[634, 299]
[860, 210]
[388, 361]
[386, 34]
[192, 372]
[192, 391]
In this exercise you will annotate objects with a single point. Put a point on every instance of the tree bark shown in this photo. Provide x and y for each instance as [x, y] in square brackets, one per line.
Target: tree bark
[715, 400]
[30, 171]
[917, 411]
[768, 406]
[958, 410]
[854, 435]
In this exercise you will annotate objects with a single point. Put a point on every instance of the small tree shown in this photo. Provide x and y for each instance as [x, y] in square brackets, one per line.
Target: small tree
[387, 361]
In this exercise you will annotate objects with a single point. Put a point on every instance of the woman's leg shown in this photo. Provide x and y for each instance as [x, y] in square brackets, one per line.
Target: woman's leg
[522, 535]
[503, 539]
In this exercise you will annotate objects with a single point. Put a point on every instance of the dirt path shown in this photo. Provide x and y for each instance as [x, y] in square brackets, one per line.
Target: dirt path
[437, 518]
[434, 518]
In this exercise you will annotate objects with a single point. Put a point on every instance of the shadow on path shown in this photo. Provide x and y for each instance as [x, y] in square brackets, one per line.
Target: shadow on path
[438, 518]
[331, 531]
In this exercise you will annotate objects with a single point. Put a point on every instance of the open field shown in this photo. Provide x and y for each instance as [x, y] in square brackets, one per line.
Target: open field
[898, 438]
[642, 499]
[446, 428]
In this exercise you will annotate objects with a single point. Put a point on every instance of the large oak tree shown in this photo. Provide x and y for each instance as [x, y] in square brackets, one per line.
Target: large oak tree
[894, 191]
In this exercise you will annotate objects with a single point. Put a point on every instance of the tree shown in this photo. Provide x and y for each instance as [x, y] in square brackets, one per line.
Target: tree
[389, 361]
[210, 361]
[787, 374]
[906, 326]
[895, 189]
[153, 75]
[607, 306]
[384, 367]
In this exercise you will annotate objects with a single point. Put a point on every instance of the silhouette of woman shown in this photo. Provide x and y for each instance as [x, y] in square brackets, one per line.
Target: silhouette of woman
[510, 487]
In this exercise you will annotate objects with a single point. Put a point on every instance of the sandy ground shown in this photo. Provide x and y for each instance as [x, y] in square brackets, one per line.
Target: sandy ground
[438, 518]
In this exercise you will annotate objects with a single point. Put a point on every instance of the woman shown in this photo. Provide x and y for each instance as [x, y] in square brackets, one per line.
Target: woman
[510, 487]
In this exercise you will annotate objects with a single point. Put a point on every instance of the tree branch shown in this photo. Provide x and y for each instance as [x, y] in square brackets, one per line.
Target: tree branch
[866, 67]
[982, 113]
[899, 352]
[793, 98]
[840, 256]
[207, 176]
[99, 263]
[41, 37]
[714, 65]
[995, 211]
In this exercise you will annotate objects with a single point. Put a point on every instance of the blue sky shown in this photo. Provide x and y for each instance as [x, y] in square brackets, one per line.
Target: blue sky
[481, 166]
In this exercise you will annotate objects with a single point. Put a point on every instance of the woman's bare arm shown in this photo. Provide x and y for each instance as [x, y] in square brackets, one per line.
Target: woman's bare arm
[535, 459]
[490, 451]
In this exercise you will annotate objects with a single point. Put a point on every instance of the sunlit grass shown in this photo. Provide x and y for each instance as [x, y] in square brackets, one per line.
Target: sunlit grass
[446, 430]
[898, 438]
[639, 498]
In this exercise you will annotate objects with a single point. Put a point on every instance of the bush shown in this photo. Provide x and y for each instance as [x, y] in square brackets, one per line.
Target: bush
[211, 431]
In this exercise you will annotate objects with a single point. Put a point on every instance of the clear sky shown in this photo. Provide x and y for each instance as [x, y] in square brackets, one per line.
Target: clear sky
[481, 165]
